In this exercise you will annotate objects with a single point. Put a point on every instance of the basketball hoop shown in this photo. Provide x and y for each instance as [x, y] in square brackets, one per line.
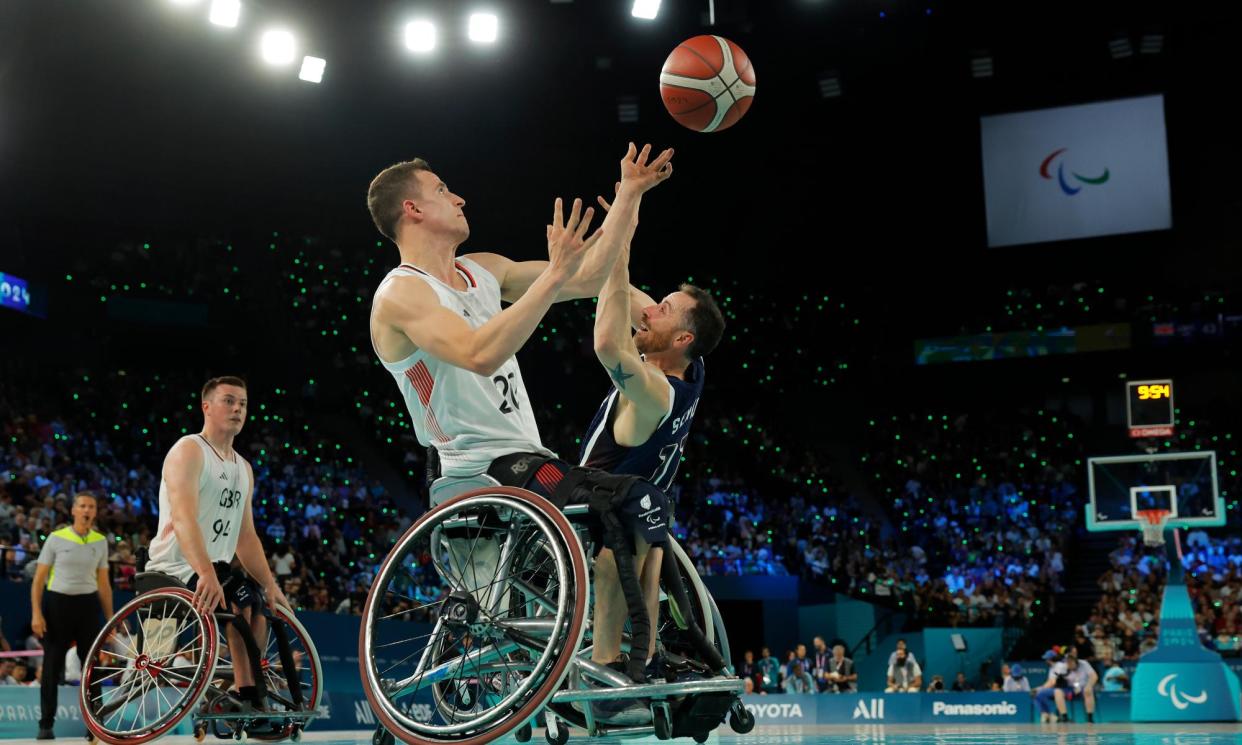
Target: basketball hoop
[1153, 522]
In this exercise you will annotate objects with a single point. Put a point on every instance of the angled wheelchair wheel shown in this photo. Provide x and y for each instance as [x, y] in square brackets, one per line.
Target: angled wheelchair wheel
[292, 673]
[148, 668]
[497, 642]
[703, 611]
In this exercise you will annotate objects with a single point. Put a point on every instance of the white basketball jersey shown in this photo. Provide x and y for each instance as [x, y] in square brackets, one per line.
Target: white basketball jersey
[469, 419]
[223, 494]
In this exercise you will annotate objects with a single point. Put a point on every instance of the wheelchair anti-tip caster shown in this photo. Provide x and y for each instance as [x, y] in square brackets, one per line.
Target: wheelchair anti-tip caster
[662, 719]
[740, 718]
[701, 737]
[382, 737]
[523, 733]
[200, 733]
[557, 732]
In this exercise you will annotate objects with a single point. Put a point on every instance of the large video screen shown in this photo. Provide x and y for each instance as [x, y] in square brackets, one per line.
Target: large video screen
[1076, 172]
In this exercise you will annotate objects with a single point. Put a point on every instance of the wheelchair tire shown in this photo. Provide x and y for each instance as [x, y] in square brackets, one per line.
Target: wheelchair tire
[150, 678]
[493, 520]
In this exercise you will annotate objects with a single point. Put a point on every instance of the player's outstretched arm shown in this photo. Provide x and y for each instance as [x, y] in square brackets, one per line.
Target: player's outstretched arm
[412, 307]
[638, 176]
[641, 384]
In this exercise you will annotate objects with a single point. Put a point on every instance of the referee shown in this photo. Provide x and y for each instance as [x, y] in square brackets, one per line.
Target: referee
[73, 566]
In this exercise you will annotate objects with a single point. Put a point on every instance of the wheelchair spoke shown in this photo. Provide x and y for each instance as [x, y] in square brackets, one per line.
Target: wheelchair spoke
[402, 641]
[159, 689]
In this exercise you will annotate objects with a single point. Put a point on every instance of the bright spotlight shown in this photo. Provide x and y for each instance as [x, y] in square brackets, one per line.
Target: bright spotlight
[484, 27]
[183, 2]
[225, 12]
[278, 47]
[648, 9]
[312, 69]
[420, 36]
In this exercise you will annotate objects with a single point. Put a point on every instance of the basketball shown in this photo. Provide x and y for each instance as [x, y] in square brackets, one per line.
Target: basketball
[707, 83]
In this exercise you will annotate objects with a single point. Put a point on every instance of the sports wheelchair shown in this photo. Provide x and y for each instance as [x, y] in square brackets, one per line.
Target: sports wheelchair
[159, 660]
[511, 643]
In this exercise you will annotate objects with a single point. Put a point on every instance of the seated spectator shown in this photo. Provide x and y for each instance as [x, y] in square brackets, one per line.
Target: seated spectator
[1115, 678]
[769, 672]
[840, 677]
[904, 675]
[799, 681]
[960, 683]
[1016, 680]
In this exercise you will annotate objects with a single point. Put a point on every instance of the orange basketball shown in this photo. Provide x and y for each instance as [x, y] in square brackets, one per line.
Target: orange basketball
[707, 83]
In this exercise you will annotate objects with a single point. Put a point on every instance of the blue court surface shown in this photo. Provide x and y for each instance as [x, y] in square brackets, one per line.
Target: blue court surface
[882, 734]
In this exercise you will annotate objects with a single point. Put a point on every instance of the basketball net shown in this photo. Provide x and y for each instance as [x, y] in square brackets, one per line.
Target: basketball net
[1153, 522]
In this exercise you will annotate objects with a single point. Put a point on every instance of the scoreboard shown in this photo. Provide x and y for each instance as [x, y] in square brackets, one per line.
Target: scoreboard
[1149, 408]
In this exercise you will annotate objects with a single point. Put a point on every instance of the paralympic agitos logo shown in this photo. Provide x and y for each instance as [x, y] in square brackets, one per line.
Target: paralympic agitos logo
[1066, 186]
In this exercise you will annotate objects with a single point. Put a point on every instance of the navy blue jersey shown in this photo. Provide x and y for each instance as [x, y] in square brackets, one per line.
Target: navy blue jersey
[656, 459]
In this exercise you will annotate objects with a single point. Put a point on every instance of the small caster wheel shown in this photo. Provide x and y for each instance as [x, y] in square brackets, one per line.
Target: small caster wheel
[557, 732]
[239, 734]
[662, 719]
[295, 734]
[200, 733]
[523, 733]
[382, 737]
[90, 736]
[701, 737]
[740, 718]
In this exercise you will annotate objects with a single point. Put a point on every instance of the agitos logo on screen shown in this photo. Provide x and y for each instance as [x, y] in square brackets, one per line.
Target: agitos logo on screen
[1065, 185]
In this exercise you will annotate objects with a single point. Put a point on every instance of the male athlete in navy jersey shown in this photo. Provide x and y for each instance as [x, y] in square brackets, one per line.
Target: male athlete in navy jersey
[643, 424]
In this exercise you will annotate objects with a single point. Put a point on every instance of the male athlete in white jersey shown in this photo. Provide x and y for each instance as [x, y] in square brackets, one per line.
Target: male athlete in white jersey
[206, 520]
[438, 328]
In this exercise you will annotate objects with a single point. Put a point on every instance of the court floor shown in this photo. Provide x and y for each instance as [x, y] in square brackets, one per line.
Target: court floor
[892, 734]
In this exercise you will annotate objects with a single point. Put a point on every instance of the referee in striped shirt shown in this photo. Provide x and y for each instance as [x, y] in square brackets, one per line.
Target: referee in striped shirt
[73, 566]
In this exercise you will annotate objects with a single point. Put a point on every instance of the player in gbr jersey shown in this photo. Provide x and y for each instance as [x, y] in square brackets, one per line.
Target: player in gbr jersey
[438, 328]
[642, 425]
[206, 520]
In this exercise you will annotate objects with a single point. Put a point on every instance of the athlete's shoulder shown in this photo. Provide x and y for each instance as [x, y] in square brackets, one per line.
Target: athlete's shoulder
[486, 267]
[185, 453]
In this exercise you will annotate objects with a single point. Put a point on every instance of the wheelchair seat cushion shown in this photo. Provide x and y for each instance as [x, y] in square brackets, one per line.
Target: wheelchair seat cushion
[150, 581]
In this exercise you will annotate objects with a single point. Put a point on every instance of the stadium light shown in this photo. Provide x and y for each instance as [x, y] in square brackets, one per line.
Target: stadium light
[981, 64]
[420, 36]
[1120, 47]
[647, 9]
[278, 47]
[225, 12]
[312, 69]
[484, 27]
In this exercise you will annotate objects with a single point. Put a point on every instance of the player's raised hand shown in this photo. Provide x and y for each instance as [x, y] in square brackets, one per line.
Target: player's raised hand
[567, 239]
[604, 203]
[638, 173]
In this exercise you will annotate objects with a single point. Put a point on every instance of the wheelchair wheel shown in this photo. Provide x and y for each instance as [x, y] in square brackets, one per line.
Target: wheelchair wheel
[291, 670]
[503, 632]
[148, 667]
[702, 610]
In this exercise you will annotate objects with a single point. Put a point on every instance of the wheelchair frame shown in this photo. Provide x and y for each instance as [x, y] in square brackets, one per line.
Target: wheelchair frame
[151, 671]
[537, 612]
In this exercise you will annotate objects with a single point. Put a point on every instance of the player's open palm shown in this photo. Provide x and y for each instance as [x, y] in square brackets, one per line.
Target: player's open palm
[637, 172]
[567, 238]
